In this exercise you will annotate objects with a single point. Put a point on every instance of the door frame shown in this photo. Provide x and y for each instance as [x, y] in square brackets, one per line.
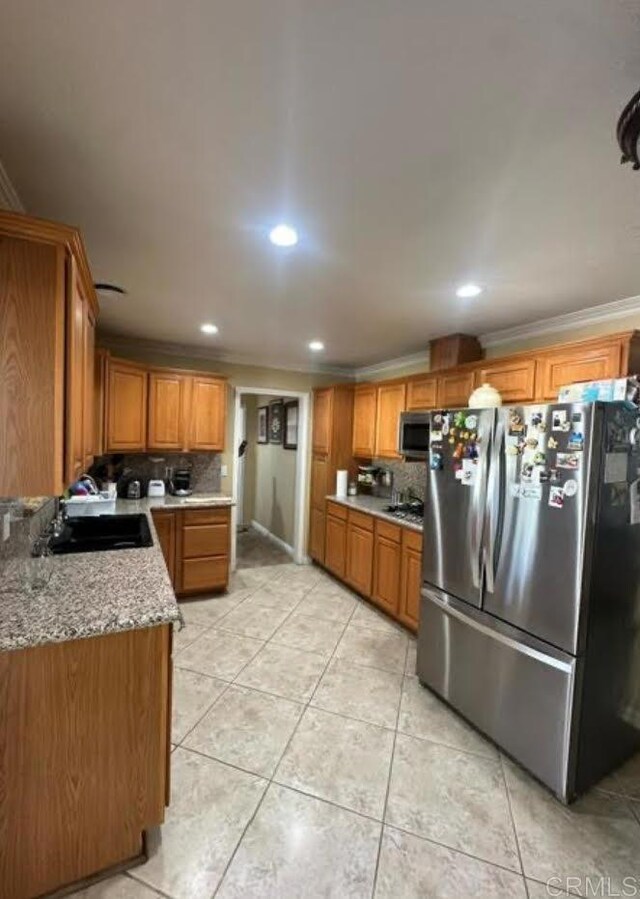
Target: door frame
[302, 466]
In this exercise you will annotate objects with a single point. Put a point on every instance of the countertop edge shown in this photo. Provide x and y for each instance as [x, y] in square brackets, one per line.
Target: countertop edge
[351, 502]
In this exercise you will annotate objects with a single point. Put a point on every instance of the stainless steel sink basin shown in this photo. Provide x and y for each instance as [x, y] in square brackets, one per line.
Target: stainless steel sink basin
[89, 534]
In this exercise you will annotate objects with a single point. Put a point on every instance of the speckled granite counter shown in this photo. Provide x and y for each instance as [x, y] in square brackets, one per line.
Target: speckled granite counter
[195, 501]
[92, 594]
[374, 505]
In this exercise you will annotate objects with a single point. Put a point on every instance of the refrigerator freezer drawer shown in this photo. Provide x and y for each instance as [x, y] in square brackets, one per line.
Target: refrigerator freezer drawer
[506, 684]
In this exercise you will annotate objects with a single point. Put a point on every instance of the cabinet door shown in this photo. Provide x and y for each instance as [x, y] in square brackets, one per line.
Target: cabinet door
[322, 410]
[89, 413]
[99, 390]
[454, 390]
[386, 573]
[567, 366]
[391, 402]
[167, 394]
[126, 407]
[316, 534]
[515, 381]
[359, 563]
[364, 421]
[75, 376]
[208, 414]
[410, 579]
[165, 523]
[319, 481]
[422, 394]
[335, 548]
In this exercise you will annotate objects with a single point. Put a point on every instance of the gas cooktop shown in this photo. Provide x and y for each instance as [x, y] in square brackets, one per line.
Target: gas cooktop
[413, 511]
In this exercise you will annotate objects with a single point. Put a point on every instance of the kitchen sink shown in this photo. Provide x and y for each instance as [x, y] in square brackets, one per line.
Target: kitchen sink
[90, 534]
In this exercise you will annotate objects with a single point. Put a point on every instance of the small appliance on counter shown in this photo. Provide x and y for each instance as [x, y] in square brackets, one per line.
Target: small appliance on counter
[374, 481]
[156, 484]
[180, 482]
[132, 486]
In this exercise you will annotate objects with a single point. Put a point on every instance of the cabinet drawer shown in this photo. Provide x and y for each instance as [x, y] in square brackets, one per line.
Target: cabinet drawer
[361, 520]
[337, 510]
[390, 531]
[205, 540]
[412, 539]
[204, 574]
[206, 516]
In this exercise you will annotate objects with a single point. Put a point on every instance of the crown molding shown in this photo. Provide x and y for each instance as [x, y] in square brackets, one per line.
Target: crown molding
[390, 365]
[122, 342]
[9, 198]
[569, 321]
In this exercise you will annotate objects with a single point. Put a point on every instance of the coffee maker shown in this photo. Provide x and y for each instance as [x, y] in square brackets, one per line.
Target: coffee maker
[180, 482]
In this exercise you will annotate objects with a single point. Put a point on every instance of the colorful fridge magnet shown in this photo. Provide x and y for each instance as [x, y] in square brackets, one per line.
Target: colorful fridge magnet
[516, 425]
[576, 417]
[445, 425]
[542, 427]
[512, 449]
[575, 442]
[556, 497]
[531, 442]
[553, 475]
[536, 419]
[515, 491]
[437, 419]
[570, 487]
[558, 420]
[459, 419]
[544, 475]
[435, 461]
[471, 422]
[458, 451]
[552, 443]
[568, 460]
[539, 458]
[531, 491]
[527, 471]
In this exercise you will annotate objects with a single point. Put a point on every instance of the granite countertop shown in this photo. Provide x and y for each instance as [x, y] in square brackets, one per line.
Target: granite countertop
[374, 505]
[195, 501]
[93, 594]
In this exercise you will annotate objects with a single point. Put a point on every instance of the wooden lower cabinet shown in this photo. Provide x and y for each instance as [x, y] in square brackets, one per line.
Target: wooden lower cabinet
[335, 546]
[410, 579]
[196, 547]
[84, 756]
[317, 524]
[359, 561]
[386, 568]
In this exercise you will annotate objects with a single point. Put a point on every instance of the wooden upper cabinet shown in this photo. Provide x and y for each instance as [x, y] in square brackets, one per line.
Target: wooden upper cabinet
[207, 415]
[322, 420]
[89, 415]
[76, 375]
[364, 420]
[593, 362]
[514, 380]
[422, 393]
[391, 403]
[99, 404]
[319, 481]
[126, 407]
[454, 389]
[168, 393]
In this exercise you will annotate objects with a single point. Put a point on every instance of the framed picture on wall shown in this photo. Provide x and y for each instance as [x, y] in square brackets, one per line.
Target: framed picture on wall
[276, 419]
[263, 424]
[291, 425]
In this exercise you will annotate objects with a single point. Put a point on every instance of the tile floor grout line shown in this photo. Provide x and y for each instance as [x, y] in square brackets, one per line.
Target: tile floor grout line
[511, 816]
[374, 885]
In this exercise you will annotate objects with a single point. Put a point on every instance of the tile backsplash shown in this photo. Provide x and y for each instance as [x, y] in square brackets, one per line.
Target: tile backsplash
[205, 467]
[406, 475]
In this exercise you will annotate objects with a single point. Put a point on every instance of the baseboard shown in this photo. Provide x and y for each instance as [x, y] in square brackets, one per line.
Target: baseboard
[261, 529]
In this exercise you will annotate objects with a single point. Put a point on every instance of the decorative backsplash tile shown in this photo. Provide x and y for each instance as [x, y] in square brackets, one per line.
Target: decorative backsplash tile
[407, 476]
[205, 467]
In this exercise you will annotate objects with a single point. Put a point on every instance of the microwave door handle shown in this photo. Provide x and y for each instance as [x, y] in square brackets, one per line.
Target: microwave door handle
[479, 505]
[494, 488]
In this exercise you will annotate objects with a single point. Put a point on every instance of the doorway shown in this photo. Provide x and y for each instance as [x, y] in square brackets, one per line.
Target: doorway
[270, 479]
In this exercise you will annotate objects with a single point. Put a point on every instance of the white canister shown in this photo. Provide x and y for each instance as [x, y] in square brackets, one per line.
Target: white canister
[342, 478]
[485, 397]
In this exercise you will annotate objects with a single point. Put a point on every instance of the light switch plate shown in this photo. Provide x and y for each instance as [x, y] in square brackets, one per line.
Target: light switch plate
[223, 471]
[6, 526]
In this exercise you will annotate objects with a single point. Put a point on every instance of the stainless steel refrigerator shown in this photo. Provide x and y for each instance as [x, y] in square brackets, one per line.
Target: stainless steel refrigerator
[530, 607]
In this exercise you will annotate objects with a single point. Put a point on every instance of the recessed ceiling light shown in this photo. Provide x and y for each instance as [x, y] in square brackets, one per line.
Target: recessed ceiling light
[209, 328]
[283, 236]
[468, 290]
[316, 346]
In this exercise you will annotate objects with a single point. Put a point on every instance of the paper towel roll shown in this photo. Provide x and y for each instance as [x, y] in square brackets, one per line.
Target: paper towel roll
[341, 482]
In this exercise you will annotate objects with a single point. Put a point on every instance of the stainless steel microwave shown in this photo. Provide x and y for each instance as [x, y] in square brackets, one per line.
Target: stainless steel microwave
[413, 435]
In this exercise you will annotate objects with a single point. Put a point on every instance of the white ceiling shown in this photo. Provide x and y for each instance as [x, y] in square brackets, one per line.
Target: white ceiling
[416, 144]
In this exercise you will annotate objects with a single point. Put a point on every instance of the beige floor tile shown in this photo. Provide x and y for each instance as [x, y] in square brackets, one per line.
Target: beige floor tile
[284, 670]
[455, 798]
[366, 615]
[211, 804]
[207, 612]
[365, 646]
[335, 758]
[539, 890]
[312, 634]
[278, 595]
[193, 694]
[330, 606]
[625, 780]
[250, 620]
[190, 632]
[298, 847]
[303, 576]
[365, 693]
[119, 887]
[247, 729]
[251, 578]
[597, 836]
[413, 868]
[422, 714]
[219, 654]
[412, 661]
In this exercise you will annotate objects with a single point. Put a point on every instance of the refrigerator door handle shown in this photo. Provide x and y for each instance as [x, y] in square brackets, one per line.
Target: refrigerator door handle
[478, 524]
[494, 487]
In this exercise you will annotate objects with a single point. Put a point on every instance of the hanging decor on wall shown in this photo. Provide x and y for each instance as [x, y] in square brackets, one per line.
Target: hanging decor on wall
[628, 132]
[263, 424]
[291, 425]
[276, 421]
